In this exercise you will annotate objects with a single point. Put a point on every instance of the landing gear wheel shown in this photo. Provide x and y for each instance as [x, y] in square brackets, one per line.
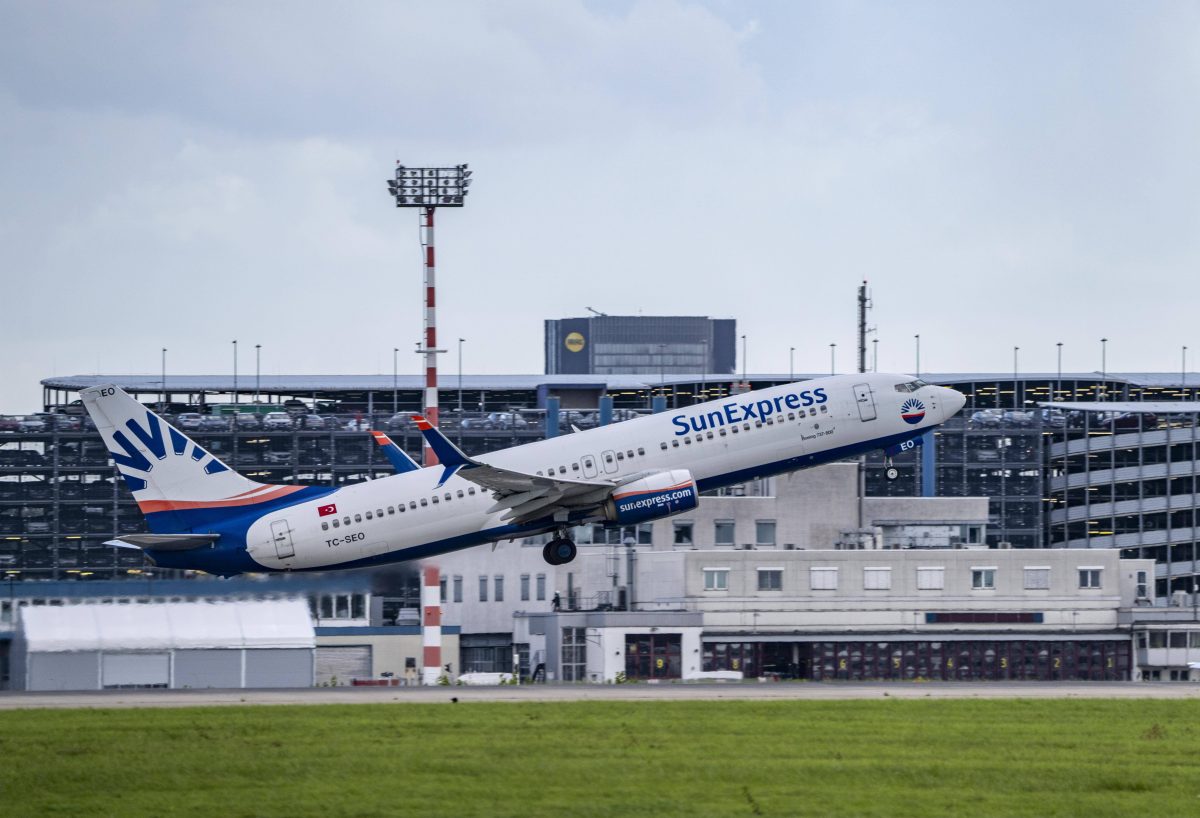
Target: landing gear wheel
[559, 551]
[892, 473]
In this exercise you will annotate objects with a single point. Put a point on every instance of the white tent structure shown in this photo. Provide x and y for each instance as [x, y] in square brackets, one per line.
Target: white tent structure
[178, 645]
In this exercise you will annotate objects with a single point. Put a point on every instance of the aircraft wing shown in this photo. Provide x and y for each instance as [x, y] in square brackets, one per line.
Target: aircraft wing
[521, 496]
[400, 461]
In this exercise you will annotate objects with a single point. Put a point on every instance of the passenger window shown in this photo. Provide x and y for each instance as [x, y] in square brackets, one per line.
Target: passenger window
[722, 431]
[346, 520]
[791, 415]
[378, 512]
[471, 490]
[324, 526]
[574, 467]
[400, 509]
[608, 458]
[413, 504]
[687, 441]
[812, 413]
[710, 435]
[641, 452]
[758, 424]
[447, 497]
[734, 429]
[539, 472]
[824, 408]
[391, 510]
[358, 518]
[424, 502]
[435, 499]
[460, 494]
[336, 524]
[675, 443]
[370, 516]
[562, 469]
[663, 445]
[620, 455]
[746, 426]
[629, 453]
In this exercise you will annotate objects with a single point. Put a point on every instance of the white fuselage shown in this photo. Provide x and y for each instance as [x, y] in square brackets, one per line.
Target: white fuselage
[405, 517]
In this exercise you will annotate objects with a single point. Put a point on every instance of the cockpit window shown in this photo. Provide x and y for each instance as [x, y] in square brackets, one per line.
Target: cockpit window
[911, 386]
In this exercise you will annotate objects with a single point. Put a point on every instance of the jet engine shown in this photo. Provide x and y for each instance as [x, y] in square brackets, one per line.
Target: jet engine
[650, 498]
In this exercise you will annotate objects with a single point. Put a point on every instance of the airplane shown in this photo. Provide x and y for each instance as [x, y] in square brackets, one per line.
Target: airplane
[204, 516]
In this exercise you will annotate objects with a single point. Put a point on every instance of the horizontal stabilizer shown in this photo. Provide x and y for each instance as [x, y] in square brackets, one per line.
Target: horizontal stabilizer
[166, 542]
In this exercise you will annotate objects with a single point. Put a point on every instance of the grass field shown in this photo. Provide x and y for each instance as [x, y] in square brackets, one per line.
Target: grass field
[882, 758]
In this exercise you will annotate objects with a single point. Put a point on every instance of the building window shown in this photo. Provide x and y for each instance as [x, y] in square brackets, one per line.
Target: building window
[442, 591]
[770, 579]
[524, 587]
[716, 579]
[1143, 586]
[574, 654]
[723, 532]
[931, 578]
[1158, 639]
[764, 532]
[483, 589]
[541, 587]
[1037, 578]
[823, 579]
[983, 579]
[499, 583]
[458, 585]
[1089, 577]
[877, 579]
[683, 533]
[1177, 639]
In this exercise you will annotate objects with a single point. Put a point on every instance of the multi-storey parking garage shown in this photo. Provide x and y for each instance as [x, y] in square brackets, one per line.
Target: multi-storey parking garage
[60, 500]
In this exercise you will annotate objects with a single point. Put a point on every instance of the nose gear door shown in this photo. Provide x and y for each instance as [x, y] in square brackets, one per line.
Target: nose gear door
[865, 401]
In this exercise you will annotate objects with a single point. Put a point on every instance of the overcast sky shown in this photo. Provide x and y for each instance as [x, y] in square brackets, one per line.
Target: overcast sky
[1005, 174]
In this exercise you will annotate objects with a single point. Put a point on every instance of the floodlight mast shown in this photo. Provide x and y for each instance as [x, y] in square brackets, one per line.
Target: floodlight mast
[429, 189]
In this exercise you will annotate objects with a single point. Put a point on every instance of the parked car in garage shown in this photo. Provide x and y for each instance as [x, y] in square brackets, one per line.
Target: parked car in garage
[277, 420]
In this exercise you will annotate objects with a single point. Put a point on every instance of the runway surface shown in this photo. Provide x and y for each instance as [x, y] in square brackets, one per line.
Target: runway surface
[16, 700]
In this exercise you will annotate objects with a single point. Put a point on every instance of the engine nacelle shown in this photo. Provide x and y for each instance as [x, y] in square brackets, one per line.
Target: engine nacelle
[651, 498]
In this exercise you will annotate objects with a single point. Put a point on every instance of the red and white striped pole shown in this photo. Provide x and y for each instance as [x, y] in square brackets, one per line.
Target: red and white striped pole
[431, 622]
[431, 350]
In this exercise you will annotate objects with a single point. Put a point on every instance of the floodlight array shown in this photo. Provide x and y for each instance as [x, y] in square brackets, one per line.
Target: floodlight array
[430, 187]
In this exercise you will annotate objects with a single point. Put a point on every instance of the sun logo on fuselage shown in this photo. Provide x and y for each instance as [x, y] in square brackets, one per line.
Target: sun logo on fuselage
[913, 411]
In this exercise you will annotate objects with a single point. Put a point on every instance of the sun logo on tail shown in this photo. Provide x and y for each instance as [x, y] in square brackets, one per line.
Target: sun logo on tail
[913, 411]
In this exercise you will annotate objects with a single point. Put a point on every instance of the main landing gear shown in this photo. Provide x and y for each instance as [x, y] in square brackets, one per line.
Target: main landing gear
[559, 551]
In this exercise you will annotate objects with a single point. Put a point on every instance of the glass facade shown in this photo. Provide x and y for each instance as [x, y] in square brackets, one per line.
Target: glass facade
[967, 660]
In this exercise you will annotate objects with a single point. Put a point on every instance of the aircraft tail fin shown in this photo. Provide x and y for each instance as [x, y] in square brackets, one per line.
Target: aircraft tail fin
[178, 485]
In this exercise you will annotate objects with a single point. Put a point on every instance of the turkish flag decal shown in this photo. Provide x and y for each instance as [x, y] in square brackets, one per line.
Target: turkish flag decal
[325, 511]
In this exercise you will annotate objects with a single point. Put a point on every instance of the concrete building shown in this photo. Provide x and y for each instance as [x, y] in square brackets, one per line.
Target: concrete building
[660, 345]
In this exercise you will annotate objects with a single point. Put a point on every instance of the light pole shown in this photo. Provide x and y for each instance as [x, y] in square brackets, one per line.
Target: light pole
[918, 339]
[832, 358]
[1183, 374]
[743, 360]
[874, 354]
[662, 370]
[429, 189]
[1016, 388]
[395, 378]
[791, 363]
[235, 388]
[1103, 367]
[257, 372]
[460, 343]
[162, 403]
[1058, 383]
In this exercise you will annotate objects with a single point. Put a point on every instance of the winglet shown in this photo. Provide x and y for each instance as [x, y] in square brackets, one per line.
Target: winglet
[400, 461]
[450, 456]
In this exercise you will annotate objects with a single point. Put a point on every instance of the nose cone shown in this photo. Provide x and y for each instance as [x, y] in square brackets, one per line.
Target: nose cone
[952, 401]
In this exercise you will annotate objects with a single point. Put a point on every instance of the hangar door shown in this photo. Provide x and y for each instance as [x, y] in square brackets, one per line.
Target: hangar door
[135, 670]
[343, 663]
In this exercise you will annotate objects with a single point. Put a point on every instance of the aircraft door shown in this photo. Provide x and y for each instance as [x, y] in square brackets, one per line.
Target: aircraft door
[610, 461]
[281, 533]
[865, 401]
[588, 462]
